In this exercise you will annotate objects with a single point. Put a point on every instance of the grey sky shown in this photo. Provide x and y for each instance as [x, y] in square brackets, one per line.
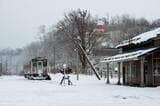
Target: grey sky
[19, 19]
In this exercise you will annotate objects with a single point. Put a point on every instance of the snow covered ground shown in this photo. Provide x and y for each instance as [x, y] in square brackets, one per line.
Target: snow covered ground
[88, 91]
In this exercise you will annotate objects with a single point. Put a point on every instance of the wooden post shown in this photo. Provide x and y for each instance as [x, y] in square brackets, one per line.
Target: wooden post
[107, 73]
[77, 66]
[119, 73]
[142, 72]
[121, 70]
[37, 67]
[0, 69]
[48, 69]
[130, 71]
[31, 68]
[153, 76]
[101, 73]
[42, 66]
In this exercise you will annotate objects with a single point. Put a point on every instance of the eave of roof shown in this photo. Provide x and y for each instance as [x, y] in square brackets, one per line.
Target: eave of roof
[128, 56]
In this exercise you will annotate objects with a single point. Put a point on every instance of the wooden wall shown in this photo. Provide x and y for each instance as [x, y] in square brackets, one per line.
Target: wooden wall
[132, 77]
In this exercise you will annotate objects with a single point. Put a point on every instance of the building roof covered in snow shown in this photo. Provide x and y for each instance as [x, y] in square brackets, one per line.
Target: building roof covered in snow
[141, 38]
[128, 56]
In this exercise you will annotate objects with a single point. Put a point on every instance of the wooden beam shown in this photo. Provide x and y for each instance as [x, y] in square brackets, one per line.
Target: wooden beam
[76, 42]
[107, 73]
[153, 77]
[130, 71]
[31, 68]
[0, 69]
[119, 72]
[88, 60]
[142, 72]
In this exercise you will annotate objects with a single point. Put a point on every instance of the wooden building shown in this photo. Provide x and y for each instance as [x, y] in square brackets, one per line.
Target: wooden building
[139, 62]
[99, 54]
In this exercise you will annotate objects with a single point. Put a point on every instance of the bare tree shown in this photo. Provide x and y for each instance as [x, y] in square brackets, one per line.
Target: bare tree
[125, 27]
[155, 23]
[8, 60]
[79, 25]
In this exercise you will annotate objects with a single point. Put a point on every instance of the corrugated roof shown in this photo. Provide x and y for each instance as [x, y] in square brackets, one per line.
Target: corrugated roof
[128, 56]
[141, 38]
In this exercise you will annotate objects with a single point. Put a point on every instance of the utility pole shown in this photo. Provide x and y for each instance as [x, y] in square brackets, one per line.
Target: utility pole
[1, 66]
[0, 69]
[6, 64]
[54, 53]
[107, 73]
[54, 50]
[77, 64]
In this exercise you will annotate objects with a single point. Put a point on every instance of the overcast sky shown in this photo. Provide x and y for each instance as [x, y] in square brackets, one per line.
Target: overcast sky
[19, 19]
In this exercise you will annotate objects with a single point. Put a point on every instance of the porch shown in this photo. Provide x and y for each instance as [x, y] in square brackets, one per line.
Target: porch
[137, 68]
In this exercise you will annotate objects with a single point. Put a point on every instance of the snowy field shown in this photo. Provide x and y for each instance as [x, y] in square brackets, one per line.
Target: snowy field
[88, 91]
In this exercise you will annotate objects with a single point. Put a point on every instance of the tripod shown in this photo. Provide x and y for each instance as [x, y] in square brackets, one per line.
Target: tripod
[66, 78]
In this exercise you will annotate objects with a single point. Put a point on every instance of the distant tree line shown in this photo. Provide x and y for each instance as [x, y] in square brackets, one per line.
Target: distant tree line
[9, 61]
[57, 43]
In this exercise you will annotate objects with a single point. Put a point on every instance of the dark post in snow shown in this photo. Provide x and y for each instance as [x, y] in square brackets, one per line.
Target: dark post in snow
[54, 50]
[130, 70]
[101, 73]
[142, 72]
[77, 65]
[119, 73]
[0, 69]
[107, 73]
[54, 55]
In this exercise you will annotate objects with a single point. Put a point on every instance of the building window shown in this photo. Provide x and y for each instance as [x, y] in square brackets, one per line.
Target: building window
[156, 63]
